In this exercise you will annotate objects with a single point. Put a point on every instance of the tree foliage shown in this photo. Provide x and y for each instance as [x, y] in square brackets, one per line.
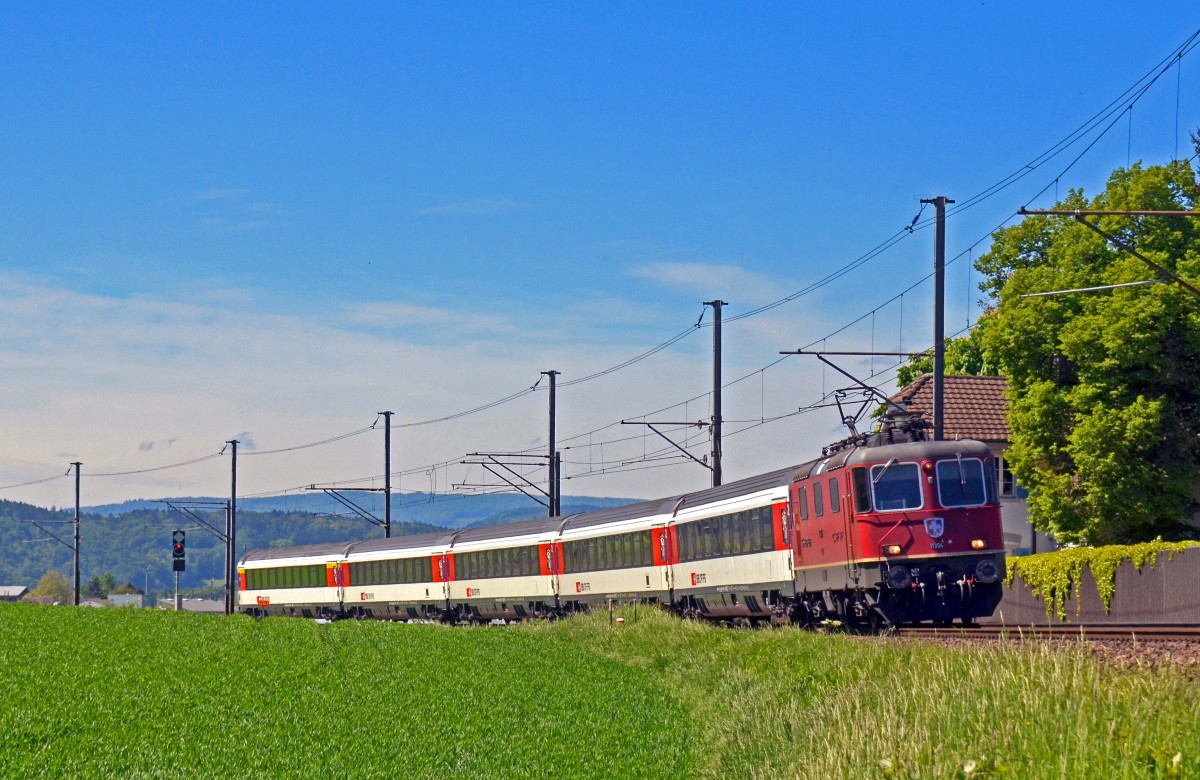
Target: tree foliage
[53, 584]
[1103, 386]
[98, 587]
[964, 355]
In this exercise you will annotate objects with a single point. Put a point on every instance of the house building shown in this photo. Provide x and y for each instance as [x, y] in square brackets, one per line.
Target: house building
[210, 606]
[974, 407]
[12, 592]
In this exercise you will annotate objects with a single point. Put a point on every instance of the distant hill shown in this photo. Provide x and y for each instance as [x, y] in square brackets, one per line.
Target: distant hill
[132, 540]
[464, 511]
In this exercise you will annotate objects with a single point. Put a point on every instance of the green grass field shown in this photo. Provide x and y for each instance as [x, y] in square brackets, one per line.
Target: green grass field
[130, 693]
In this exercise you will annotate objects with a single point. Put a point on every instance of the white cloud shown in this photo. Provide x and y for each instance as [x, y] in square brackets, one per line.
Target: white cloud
[394, 315]
[731, 282]
[105, 377]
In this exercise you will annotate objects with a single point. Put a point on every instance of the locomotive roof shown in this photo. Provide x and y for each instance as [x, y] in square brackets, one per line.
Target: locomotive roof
[912, 450]
[300, 551]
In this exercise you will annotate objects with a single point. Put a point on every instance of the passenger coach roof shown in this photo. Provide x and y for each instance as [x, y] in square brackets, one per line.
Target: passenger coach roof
[667, 506]
[334, 549]
[741, 487]
[519, 528]
[402, 542]
[618, 513]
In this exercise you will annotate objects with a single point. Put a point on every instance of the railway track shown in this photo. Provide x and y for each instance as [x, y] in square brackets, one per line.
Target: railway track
[1095, 632]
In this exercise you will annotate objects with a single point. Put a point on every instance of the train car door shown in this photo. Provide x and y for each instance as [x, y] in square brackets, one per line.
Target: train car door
[666, 555]
[550, 556]
[443, 573]
[335, 576]
[842, 503]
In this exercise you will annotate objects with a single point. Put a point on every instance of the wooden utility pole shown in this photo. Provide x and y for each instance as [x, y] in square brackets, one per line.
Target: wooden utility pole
[387, 475]
[716, 392]
[75, 565]
[231, 536]
[554, 503]
[939, 314]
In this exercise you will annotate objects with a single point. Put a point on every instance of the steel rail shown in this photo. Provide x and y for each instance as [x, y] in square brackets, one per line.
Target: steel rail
[1157, 632]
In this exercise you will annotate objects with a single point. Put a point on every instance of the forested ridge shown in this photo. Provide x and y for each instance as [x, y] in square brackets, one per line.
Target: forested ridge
[135, 545]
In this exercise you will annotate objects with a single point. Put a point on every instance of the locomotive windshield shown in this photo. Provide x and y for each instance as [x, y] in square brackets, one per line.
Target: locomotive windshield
[896, 486]
[961, 482]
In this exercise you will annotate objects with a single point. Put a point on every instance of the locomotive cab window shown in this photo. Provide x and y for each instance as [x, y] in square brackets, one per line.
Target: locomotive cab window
[896, 486]
[862, 490]
[961, 482]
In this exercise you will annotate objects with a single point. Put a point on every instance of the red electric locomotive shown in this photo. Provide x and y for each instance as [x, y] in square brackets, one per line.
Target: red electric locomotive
[892, 528]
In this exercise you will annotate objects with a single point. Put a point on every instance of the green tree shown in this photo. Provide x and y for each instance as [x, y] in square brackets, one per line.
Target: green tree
[1103, 386]
[98, 587]
[92, 589]
[964, 355]
[53, 584]
[127, 588]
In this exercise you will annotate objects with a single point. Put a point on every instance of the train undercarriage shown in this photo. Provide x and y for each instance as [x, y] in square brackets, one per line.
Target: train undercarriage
[869, 597]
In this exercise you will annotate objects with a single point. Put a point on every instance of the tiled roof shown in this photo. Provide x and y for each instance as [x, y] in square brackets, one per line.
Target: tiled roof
[974, 406]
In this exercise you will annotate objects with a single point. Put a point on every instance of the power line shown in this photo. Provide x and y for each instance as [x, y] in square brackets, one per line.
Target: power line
[320, 443]
[35, 481]
[155, 468]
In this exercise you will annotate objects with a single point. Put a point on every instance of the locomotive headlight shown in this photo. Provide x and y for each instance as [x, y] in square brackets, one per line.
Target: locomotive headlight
[891, 549]
[987, 572]
[978, 544]
[899, 578]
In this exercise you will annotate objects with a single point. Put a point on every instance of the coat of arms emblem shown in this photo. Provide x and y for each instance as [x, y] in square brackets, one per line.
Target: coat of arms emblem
[934, 526]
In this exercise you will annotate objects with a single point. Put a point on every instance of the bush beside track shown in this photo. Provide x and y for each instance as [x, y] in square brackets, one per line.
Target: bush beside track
[1058, 577]
[95, 693]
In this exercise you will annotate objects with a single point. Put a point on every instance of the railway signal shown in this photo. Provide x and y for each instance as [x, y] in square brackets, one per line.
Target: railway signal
[178, 553]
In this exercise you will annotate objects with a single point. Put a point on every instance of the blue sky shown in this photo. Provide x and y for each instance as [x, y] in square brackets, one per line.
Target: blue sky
[275, 220]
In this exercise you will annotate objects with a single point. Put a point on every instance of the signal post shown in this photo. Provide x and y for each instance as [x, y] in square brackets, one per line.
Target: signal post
[178, 562]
